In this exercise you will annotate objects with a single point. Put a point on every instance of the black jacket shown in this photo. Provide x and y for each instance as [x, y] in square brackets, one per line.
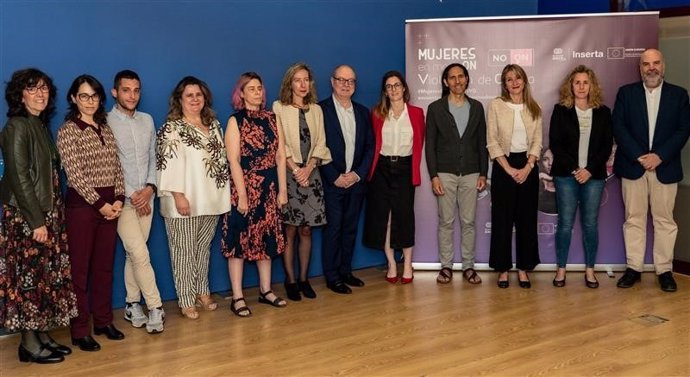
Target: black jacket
[449, 152]
[564, 141]
[28, 151]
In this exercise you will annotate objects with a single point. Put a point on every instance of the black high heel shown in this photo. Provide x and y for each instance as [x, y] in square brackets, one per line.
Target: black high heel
[27, 357]
[524, 283]
[503, 283]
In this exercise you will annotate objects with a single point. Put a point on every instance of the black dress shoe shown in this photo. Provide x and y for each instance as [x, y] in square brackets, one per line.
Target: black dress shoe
[57, 347]
[86, 343]
[667, 282]
[306, 289]
[339, 287]
[352, 281]
[629, 278]
[559, 283]
[292, 291]
[51, 358]
[110, 332]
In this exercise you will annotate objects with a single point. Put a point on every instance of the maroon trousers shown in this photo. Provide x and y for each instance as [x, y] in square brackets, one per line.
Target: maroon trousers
[91, 242]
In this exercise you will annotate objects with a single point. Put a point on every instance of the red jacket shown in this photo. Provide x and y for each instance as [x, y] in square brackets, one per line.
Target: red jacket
[416, 115]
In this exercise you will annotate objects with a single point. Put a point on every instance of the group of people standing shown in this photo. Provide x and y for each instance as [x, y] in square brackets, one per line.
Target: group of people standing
[274, 175]
[650, 124]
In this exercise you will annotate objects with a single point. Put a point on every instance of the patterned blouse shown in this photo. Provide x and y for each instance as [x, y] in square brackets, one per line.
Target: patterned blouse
[195, 164]
[89, 155]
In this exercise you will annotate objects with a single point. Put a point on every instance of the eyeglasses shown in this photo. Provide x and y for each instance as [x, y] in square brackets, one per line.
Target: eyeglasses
[83, 97]
[396, 86]
[34, 89]
[343, 81]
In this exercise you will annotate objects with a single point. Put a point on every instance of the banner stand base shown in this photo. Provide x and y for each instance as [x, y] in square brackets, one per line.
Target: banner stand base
[602, 267]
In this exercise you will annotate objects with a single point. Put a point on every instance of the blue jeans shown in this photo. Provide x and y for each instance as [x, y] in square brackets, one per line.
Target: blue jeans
[569, 193]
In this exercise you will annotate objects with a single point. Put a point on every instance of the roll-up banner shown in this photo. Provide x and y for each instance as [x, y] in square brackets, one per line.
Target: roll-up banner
[548, 48]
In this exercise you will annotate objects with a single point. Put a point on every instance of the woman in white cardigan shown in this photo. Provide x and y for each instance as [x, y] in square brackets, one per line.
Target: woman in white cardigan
[514, 137]
[301, 122]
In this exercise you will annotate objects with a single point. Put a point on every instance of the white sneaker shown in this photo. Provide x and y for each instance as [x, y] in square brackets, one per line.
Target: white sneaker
[156, 320]
[135, 314]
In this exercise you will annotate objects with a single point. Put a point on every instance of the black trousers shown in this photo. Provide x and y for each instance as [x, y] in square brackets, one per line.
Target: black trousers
[514, 204]
[390, 192]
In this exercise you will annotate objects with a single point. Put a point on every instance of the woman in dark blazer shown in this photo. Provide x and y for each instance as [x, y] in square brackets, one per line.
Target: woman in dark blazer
[36, 292]
[581, 138]
[399, 133]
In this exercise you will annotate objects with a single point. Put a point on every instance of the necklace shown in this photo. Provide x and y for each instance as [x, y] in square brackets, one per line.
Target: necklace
[397, 112]
[197, 124]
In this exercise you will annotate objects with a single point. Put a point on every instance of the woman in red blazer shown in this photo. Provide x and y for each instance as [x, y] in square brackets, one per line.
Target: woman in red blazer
[399, 132]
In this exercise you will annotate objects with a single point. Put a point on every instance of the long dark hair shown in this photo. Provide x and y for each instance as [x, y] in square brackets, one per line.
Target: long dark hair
[445, 90]
[28, 78]
[100, 117]
[384, 104]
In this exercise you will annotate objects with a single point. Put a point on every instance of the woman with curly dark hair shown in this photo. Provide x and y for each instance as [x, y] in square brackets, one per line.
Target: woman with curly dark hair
[35, 278]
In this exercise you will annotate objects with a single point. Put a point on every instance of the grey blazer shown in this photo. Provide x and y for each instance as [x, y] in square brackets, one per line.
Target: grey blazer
[449, 152]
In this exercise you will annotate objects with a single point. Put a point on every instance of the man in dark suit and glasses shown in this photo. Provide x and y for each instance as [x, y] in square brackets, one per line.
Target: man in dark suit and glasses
[350, 138]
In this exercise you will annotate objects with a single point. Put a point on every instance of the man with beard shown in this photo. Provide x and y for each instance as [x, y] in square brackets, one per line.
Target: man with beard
[651, 123]
[458, 162]
[136, 143]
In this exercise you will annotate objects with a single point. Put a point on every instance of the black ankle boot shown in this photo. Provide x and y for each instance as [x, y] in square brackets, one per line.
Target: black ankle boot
[306, 289]
[292, 291]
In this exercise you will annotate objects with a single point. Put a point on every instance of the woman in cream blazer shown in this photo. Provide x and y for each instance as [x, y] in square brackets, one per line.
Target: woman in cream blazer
[514, 139]
[300, 120]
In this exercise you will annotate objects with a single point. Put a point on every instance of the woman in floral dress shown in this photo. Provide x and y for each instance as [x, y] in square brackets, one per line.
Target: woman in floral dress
[253, 230]
[35, 280]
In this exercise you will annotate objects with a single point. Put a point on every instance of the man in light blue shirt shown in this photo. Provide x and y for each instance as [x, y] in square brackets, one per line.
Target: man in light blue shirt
[136, 141]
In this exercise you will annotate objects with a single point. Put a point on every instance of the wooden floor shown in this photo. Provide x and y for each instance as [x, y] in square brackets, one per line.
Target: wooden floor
[414, 330]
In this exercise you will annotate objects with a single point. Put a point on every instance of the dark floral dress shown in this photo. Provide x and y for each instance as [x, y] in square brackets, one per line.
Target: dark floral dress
[35, 278]
[305, 204]
[258, 235]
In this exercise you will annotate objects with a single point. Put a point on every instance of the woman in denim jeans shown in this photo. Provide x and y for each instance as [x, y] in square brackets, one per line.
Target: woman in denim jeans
[581, 139]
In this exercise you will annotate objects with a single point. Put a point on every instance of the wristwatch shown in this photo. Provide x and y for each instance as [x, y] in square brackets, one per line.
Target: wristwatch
[153, 187]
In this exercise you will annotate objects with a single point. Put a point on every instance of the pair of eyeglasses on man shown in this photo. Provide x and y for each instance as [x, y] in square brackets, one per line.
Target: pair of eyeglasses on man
[83, 97]
[343, 81]
[397, 85]
[34, 89]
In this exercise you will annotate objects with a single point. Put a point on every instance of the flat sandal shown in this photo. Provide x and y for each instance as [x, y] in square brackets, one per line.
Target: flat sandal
[277, 302]
[242, 309]
[190, 312]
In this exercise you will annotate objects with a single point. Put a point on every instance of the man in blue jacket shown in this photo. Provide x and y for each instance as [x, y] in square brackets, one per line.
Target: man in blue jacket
[349, 137]
[651, 123]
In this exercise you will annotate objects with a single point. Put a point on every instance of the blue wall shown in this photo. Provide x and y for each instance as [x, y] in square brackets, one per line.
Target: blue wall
[570, 7]
[216, 41]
